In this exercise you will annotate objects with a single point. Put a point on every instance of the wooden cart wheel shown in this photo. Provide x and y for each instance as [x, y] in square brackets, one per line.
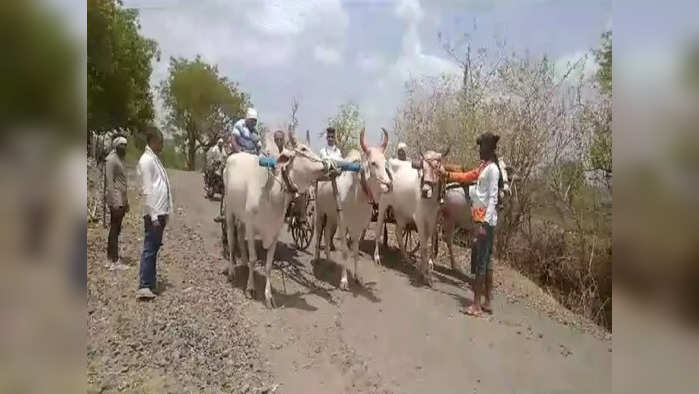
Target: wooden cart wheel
[302, 233]
[411, 240]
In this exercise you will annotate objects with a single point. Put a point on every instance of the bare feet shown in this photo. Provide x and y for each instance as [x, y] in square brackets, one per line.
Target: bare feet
[471, 311]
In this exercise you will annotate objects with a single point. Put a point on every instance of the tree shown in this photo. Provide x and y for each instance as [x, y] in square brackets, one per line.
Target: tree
[347, 124]
[603, 55]
[39, 82]
[201, 104]
[119, 66]
[598, 114]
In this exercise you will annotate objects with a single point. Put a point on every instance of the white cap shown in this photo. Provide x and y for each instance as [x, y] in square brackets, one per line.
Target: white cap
[251, 114]
[402, 145]
[119, 141]
[220, 140]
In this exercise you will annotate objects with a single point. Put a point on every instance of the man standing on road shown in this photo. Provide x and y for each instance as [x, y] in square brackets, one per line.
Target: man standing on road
[484, 197]
[117, 200]
[245, 135]
[157, 206]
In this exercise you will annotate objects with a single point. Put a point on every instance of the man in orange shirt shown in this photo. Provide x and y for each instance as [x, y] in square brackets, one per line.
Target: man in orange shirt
[484, 199]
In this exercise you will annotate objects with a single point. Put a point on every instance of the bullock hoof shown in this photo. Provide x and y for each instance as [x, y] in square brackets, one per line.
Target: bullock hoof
[377, 260]
[250, 293]
[271, 304]
[344, 285]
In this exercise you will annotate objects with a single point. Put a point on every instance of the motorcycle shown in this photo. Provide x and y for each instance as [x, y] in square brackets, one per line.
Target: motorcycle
[213, 180]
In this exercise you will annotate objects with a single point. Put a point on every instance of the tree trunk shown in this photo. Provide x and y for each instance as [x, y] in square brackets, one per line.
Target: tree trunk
[191, 154]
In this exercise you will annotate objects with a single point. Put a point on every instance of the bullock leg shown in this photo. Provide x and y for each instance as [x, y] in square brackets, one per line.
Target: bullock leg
[400, 228]
[269, 300]
[449, 227]
[355, 256]
[330, 229]
[230, 230]
[377, 235]
[344, 284]
[320, 229]
[422, 263]
[252, 259]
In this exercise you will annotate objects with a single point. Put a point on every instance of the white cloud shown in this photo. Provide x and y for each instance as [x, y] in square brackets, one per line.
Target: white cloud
[413, 61]
[370, 63]
[283, 17]
[326, 55]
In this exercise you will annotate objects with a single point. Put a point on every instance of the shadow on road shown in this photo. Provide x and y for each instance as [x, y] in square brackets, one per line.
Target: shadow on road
[330, 272]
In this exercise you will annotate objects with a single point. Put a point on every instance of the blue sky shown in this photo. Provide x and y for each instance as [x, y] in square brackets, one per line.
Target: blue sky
[326, 52]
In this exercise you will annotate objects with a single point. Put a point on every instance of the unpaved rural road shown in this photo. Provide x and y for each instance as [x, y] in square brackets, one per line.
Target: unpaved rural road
[394, 336]
[389, 336]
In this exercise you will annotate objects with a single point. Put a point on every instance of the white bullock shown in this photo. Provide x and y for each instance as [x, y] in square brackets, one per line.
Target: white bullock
[415, 198]
[456, 211]
[356, 191]
[256, 200]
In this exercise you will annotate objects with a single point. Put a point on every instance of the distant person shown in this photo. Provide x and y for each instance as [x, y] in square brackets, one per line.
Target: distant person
[246, 138]
[117, 200]
[279, 140]
[484, 198]
[157, 206]
[215, 154]
[401, 153]
[330, 151]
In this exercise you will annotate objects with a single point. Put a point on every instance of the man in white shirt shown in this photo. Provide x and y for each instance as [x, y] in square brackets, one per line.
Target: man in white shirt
[331, 151]
[157, 206]
[215, 153]
[484, 200]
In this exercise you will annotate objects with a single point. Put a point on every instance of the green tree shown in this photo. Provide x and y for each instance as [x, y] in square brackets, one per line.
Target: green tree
[40, 85]
[201, 104]
[603, 56]
[118, 68]
[599, 116]
[347, 123]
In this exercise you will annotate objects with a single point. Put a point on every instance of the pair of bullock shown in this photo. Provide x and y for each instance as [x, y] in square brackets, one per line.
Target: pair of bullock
[256, 199]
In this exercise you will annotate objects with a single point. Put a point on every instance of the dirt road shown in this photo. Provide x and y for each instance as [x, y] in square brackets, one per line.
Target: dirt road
[390, 335]
[395, 336]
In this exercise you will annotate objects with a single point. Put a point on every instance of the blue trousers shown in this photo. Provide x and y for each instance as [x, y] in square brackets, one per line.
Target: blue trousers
[151, 244]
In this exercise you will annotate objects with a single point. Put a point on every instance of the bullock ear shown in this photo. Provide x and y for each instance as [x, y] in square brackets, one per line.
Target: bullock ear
[497, 138]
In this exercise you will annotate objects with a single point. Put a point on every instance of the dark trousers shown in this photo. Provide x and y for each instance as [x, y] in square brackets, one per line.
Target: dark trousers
[481, 251]
[151, 244]
[116, 215]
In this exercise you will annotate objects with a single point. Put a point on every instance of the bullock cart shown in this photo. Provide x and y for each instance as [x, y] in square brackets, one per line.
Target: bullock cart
[411, 240]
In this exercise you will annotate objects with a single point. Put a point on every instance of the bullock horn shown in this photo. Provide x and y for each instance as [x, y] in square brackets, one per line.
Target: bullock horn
[446, 152]
[362, 142]
[384, 141]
